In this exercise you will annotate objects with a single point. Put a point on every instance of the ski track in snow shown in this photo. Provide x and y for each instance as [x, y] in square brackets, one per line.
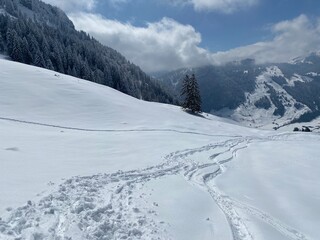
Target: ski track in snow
[202, 175]
[102, 207]
[111, 130]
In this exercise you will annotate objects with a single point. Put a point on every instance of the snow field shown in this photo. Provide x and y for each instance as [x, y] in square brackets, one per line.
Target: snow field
[83, 161]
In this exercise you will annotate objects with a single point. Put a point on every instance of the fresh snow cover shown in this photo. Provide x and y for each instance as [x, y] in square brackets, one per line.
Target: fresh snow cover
[313, 74]
[83, 161]
[297, 78]
[282, 185]
[301, 59]
[274, 71]
[5, 13]
[3, 56]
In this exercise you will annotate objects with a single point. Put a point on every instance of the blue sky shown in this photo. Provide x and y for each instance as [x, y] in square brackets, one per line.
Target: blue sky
[219, 31]
[168, 34]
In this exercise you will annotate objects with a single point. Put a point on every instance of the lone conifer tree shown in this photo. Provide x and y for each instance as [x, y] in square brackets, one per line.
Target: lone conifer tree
[190, 92]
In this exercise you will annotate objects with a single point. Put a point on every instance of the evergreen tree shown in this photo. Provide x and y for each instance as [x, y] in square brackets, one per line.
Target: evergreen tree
[2, 44]
[16, 53]
[10, 37]
[184, 91]
[190, 92]
[49, 64]
[27, 56]
[38, 60]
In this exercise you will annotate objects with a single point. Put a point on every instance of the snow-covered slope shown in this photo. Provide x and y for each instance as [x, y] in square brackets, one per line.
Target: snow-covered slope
[270, 105]
[83, 161]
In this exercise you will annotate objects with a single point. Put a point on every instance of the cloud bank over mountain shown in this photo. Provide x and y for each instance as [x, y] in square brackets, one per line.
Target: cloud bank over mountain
[157, 46]
[168, 44]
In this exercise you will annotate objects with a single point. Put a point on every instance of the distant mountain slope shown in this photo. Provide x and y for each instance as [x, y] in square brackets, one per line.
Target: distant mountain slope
[39, 34]
[270, 95]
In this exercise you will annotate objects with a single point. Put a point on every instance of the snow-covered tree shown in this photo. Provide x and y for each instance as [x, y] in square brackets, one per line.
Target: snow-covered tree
[191, 93]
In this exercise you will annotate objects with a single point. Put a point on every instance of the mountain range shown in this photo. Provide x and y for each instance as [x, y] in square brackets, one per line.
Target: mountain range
[270, 95]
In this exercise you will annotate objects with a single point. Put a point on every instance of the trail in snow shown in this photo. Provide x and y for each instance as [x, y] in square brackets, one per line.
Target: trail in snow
[203, 174]
[103, 207]
[285, 230]
[100, 207]
[113, 130]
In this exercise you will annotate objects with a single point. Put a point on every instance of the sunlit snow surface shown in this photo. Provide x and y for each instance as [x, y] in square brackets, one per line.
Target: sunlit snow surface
[83, 161]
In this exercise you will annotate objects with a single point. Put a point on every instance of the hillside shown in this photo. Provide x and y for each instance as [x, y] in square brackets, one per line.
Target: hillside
[83, 161]
[39, 34]
[269, 96]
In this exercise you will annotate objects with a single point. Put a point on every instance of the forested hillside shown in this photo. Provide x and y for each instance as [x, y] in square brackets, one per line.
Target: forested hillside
[39, 34]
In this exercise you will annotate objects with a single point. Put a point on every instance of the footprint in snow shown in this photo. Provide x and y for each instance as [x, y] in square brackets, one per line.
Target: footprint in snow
[13, 149]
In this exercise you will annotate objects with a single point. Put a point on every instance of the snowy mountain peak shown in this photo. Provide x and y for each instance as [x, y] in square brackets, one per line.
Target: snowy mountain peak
[274, 71]
[306, 59]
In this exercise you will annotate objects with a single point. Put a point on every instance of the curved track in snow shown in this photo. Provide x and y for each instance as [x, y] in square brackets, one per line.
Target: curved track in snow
[102, 206]
[203, 175]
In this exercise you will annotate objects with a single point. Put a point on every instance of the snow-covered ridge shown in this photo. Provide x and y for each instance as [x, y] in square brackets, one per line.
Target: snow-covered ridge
[300, 60]
[274, 71]
[304, 58]
[251, 114]
[298, 78]
[82, 104]
[313, 74]
[5, 13]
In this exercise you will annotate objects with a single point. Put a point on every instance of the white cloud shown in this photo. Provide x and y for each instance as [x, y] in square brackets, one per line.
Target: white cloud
[225, 6]
[116, 2]
[73, 5]
[168, 45]
[163, 45]
[293, 38]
